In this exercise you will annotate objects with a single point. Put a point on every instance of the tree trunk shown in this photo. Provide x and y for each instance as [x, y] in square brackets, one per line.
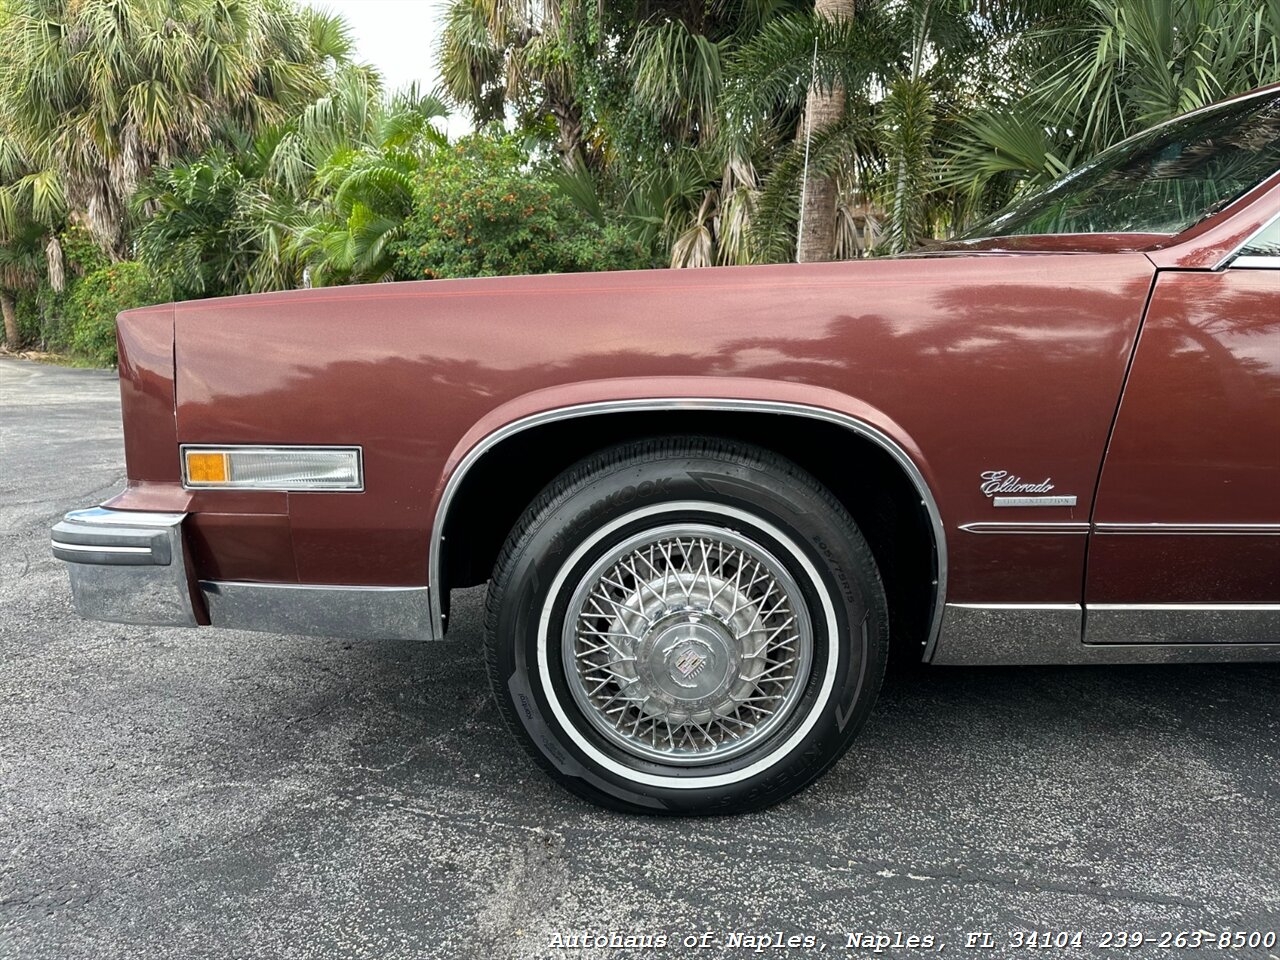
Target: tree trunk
[817, 238]
[9, 307]
[567, 112]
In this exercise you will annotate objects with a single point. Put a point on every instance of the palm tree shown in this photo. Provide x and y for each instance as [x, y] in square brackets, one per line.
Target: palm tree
[911, 71]
[634, 93]
[193, 232]
[100, 91]
[363, 191]
[21, 265]
[499, 53]
[32, 209]
[840, 94]
[824, 107]
[704, 125]
[326, 193]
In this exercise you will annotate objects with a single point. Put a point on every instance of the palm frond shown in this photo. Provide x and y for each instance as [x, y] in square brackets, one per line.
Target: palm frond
[677, 73]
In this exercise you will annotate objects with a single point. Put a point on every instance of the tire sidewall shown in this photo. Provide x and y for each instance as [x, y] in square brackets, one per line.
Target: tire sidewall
[735, 493]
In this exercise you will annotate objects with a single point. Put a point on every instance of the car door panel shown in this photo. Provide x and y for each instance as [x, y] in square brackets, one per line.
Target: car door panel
[1188, 511]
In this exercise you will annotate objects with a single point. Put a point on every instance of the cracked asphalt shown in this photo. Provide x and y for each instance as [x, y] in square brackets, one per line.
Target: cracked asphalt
[178, 793]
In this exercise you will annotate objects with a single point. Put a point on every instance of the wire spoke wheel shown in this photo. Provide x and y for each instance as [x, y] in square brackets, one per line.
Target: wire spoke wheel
[687, 644]
[685, 625]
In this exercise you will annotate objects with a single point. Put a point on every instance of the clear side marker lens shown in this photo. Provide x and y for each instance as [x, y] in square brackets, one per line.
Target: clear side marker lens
[275, 468]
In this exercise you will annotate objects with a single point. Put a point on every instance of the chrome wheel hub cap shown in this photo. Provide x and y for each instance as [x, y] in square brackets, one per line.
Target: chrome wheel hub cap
[687, 644]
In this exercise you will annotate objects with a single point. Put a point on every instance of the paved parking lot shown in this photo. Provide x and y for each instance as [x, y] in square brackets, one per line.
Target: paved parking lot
[170, 793]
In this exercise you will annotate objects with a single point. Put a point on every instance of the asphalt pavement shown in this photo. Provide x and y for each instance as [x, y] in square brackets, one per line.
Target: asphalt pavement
[200, 793]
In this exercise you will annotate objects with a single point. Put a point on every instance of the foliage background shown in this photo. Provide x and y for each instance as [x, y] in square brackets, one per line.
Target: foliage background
[156, 149]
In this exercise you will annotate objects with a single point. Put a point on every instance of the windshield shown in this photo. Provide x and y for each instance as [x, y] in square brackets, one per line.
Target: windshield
[1161, 181]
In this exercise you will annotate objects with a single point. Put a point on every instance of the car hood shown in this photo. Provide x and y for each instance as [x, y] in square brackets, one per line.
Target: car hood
[734, 280]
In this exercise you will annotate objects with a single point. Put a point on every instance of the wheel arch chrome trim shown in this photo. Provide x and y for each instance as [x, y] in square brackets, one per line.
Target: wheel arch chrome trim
[851, 423]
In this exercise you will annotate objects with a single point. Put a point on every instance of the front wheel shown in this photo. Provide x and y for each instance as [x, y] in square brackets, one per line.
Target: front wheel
[686, 626]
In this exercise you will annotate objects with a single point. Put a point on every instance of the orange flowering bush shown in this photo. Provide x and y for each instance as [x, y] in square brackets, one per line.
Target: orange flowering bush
[483, 209]
[98, 297]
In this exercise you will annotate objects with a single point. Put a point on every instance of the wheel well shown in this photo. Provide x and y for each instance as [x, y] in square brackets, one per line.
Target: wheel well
[860, 473]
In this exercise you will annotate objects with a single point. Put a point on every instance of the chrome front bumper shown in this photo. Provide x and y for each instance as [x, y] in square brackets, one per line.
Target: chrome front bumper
[126, 566]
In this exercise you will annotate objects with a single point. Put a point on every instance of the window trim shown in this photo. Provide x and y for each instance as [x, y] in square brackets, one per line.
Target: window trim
[1256, 263]
[1244, 261]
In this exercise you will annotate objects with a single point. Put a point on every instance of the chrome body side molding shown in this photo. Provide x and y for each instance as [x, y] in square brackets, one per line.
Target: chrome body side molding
[1065, 527]
[358, 613]
[1005, 634]
[1076, 527]
[126, 566]
[1183, 623]
[1192, 529]
[853, 424]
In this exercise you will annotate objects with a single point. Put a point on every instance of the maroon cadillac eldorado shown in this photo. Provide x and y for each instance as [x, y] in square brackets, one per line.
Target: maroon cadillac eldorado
[707, 502]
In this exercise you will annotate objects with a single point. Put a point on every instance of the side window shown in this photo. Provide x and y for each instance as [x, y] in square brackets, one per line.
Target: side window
[1265, 244]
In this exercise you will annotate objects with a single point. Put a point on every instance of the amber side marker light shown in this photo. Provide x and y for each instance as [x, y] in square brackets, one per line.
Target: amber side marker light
[207, 467]
[273, 468]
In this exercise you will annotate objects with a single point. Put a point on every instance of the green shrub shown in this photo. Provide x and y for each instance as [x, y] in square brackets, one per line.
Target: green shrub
[29, 318]
[50, 307]
[43, 320]
[95, 300]
[481, 210]
[81, 252]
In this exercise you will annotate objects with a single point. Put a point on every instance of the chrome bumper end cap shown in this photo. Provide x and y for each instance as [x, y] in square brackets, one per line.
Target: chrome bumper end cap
[126, 566]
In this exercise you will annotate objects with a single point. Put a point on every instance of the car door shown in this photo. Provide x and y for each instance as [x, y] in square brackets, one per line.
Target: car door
[1186, 539]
